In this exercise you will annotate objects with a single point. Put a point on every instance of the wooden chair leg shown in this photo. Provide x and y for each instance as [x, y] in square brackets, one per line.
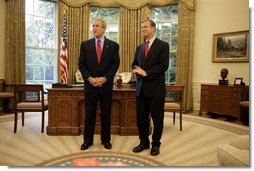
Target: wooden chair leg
[23, 118]
[42, 122]
[15, 121]
[174, 117]
[6, 102]
[180, 120]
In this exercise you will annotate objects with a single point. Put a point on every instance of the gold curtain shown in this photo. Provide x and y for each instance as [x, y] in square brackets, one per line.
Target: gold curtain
[130, 34]
[14, 41]
[128, 4]
[185, 47]
[77, 13]
[131, 15]
[77, 31]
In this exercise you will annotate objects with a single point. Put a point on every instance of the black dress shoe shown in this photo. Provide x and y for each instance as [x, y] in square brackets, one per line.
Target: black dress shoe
[140, 148]
[85, 146]
[155, 150]
[107, 145]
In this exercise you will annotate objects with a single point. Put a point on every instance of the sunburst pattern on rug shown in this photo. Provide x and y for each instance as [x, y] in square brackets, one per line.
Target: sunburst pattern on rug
[101, 159]
[196, 145]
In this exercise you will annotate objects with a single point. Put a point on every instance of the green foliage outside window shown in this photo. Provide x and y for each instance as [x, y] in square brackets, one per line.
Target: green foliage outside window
[166, 19]
[41, 50]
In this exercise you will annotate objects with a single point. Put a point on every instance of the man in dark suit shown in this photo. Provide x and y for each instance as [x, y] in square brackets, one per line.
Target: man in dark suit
[98, 64]
[150, 63]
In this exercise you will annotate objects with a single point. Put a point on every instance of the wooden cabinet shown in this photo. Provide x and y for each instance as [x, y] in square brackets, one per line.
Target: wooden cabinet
[222, 99]
[66, 112]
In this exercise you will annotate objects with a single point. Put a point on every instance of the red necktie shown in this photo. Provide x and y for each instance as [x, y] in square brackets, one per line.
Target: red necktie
[98, 50]
[146, 48]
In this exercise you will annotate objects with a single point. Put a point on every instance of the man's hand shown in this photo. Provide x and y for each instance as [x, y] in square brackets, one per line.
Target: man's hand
[97, 81]
[139, 71]
[93, 81]
[100, 80]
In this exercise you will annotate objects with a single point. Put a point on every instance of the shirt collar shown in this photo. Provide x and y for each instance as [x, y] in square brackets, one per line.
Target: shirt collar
[102, 39]
[151, 40]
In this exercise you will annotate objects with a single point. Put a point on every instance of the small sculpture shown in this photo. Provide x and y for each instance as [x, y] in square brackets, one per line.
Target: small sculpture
[119, 82]
[223, 74]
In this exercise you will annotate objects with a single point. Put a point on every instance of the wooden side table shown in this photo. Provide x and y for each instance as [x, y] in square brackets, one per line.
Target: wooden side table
[222, 99]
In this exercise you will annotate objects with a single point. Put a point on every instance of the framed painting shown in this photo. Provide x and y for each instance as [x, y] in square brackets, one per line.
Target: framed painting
[79, 78]
[231, 47]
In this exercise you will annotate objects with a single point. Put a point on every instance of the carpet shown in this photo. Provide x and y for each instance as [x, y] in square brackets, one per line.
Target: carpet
[195, 146]
[101, 159]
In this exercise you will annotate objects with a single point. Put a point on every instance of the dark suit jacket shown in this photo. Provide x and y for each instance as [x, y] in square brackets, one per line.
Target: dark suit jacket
[155, 65]
[88, 64]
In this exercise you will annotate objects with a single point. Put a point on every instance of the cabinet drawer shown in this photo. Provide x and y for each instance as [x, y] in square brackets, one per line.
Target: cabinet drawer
[221, 94]
[222, 99]
[224, 108]
[222, 89]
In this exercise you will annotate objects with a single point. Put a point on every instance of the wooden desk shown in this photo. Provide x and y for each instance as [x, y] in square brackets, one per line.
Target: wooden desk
[222, 99]
[66, 111]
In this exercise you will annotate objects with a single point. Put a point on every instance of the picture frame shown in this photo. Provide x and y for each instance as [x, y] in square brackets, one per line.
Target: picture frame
[238, 81]
[79, 78]
[126, 76]
[231, 47]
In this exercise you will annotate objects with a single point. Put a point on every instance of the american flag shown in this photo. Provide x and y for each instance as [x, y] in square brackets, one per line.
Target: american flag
[63, 53]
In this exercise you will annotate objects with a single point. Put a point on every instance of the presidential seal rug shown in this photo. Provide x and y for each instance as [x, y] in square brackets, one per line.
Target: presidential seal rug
[101, 159]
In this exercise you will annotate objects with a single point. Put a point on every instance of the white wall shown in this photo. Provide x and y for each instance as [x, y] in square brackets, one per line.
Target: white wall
[2, 12]
[217, 16]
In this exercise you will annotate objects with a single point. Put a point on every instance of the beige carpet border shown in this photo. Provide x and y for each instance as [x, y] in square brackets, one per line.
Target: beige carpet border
[232, 127]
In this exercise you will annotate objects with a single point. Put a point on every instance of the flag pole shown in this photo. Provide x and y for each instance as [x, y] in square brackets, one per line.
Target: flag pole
[63, 51]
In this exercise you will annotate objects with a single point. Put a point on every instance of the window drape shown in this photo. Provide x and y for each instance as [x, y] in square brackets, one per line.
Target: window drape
[14, 41]
[185, 47]
[128, 4]
[130, 34]
[77, 31]
[77, 13]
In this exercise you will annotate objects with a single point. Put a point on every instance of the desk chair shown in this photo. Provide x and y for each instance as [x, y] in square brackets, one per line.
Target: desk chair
[5, 95]
[29, 98]
[174, 102]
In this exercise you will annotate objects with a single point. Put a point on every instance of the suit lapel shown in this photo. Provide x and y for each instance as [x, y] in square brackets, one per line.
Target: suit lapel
[105, 46]
[104, 50]
[141, 59]
[93, 51]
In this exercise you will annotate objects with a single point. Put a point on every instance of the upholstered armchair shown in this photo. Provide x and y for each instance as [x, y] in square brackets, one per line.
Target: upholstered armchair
[236, 153]
[244, 108]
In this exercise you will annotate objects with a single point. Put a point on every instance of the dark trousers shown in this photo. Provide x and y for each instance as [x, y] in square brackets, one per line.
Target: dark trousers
[145, 107]
[91, 101]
